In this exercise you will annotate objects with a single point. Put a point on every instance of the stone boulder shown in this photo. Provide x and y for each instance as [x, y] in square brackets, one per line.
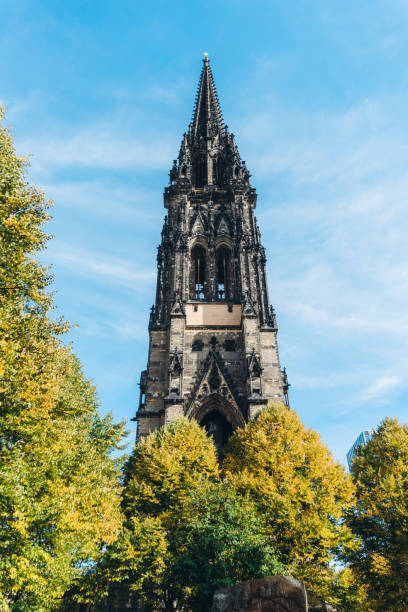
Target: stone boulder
[271, 594]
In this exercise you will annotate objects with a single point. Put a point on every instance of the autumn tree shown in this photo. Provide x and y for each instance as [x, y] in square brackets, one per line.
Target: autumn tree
[166, 467]
[379, 518]
[59, 487]
[348, 594]
[186, 532]
[216, 541]
[296, 486]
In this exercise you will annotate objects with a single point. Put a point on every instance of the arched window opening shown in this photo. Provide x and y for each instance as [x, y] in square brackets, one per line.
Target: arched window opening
[143, 386]
[224, 280]
[198, 273]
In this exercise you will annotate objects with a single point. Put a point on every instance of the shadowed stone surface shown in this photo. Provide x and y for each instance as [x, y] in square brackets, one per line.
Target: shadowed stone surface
[271, 594]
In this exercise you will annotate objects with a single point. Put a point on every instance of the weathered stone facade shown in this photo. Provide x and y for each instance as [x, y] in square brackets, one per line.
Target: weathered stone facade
[213, 352]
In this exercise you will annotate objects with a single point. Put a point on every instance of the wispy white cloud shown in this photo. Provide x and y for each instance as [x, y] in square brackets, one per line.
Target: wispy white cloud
[117, 201]
[335, 231]
[169, 95]
[343, 145]
[105, 144]
[382, 387]
[133, 329]
[107, 320]
[107, 267]
[331, 380]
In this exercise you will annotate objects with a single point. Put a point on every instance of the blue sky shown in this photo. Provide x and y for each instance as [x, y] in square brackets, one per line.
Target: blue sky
[100, 92]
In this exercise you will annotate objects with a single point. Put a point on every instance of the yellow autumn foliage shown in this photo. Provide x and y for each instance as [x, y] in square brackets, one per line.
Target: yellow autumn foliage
[59, 487]
[291, 476]
[166, 466]
[379, 519]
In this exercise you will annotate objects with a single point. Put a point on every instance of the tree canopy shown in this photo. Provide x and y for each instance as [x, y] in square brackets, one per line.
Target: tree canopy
[59, 487]
[296, 486]
[166, 466]
[219, 540]
[379, 518]
[186, 532]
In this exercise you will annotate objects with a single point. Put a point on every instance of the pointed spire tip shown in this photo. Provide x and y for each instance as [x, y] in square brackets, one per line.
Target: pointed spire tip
[207, 117]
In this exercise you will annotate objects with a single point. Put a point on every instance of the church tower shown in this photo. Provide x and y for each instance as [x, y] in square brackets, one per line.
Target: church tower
[213, 353]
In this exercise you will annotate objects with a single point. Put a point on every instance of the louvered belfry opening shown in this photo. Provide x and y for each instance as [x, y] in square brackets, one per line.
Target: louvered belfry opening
[198, 273]
[224, 280]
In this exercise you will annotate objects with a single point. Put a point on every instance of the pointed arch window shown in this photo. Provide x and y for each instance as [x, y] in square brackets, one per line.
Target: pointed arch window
[198, 278]
[224, 273]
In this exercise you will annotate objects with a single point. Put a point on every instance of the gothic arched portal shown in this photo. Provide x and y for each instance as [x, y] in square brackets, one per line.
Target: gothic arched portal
[219, 417]
[218, 427]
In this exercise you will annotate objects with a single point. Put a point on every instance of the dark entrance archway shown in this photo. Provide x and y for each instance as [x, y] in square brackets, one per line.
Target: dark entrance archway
[218, 427]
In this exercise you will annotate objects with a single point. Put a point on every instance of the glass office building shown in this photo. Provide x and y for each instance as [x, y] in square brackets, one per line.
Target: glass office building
[362, 440]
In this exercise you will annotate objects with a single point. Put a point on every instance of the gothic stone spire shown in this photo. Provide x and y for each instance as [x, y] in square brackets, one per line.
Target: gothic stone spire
[207, 118]
[208, 154]
[213, 352]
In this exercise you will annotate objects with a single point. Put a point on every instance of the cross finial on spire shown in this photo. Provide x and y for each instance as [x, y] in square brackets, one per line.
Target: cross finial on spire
[206, 58]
